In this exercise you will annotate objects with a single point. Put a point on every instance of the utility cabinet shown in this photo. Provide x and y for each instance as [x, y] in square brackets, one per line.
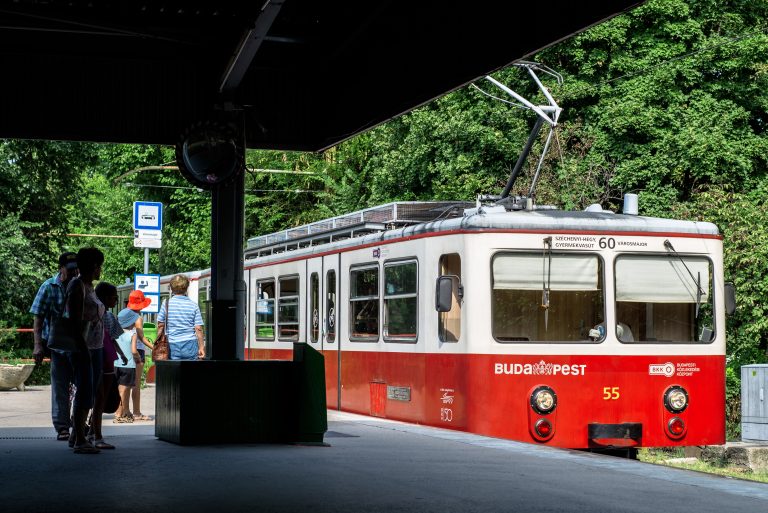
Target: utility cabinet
[754, 403]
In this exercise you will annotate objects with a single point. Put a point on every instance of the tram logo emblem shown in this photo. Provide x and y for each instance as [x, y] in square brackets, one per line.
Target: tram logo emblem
[662, 369]
[542, 369]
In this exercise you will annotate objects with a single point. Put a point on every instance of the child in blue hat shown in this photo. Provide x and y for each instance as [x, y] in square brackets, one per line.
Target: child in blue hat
[125, 373]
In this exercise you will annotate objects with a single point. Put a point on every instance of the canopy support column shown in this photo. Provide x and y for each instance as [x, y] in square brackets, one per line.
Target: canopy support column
[227, 286]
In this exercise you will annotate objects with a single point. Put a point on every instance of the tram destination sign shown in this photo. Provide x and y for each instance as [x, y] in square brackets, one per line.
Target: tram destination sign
[593, 242]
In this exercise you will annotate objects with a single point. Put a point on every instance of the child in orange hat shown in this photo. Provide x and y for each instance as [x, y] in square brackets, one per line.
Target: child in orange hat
[137, 301]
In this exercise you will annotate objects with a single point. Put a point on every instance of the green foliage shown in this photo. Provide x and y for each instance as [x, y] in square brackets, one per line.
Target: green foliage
[732, 404]
[36, 181]
[743, 220]
[105, 208]
[671, 97]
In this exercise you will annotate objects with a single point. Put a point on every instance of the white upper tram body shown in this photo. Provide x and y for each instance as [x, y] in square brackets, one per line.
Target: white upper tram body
[596, 268]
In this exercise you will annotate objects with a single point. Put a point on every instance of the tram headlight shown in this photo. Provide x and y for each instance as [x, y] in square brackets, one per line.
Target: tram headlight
[676, 399]
[543, 400]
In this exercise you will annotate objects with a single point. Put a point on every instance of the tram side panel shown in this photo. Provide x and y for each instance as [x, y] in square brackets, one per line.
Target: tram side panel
[382, 331]
[275, 325]
[447, 334]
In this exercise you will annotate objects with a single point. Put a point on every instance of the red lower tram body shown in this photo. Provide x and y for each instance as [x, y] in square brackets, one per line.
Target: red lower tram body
[601, 401]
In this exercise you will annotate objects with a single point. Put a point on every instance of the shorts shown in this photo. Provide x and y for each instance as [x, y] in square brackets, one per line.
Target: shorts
[184, 350]
[142, 354]
[126, 376]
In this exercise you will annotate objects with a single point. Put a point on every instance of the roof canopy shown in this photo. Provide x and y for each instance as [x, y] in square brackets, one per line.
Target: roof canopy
[308, 74]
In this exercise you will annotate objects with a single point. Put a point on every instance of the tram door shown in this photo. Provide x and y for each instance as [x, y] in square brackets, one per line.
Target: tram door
[329, 305]
[313, 326]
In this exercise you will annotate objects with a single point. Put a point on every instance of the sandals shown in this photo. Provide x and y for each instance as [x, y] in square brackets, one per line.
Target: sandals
[142, 417]
[86, 448]
[122, 420]
[62, 435]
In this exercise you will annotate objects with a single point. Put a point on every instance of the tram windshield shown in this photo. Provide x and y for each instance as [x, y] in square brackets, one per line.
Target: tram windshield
[664, 298]
[549, 298]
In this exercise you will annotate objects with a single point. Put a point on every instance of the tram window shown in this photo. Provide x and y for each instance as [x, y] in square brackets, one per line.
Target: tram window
[449, 323]
[664, 298]
[364, 304]
[314, 307]
[330, 306]
[546, 298]
[265, 310]
[288, 309]
[400, 301]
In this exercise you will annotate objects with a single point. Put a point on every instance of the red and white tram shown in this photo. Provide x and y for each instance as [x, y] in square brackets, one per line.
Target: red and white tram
[572, 329]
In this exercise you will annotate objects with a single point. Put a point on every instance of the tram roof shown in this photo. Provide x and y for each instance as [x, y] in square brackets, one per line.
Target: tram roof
[306, 74]
[544, 221]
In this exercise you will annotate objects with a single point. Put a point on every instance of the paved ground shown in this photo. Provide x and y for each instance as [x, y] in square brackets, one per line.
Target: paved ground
[371, 465]
[32, 408]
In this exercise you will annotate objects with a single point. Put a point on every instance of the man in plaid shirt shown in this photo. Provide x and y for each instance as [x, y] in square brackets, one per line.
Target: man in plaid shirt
[47, 307]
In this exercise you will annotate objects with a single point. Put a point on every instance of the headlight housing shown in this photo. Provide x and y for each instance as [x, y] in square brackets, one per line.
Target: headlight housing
[543, 400]
[676, 399]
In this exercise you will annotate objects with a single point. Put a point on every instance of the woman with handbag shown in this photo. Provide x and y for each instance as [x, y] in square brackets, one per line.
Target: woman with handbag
[181, 321]
[85, 312]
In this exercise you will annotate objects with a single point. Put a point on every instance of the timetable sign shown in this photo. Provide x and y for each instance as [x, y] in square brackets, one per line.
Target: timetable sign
[147, 283]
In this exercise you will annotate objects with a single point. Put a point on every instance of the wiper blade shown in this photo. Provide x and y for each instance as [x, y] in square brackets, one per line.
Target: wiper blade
[699, 290]
[699, 293]
[546, 279]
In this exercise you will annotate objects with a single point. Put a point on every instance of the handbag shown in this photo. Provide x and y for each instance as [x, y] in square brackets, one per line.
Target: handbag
[112, 401]
[161, 350]
[63, 335]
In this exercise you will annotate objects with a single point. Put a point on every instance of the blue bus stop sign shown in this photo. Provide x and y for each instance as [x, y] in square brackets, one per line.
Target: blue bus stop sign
[147, 215]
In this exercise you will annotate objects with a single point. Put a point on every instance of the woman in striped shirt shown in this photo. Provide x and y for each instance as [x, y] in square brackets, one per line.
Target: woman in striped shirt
[181, 320]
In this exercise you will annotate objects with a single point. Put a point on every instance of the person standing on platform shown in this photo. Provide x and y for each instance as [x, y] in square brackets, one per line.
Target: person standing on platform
[125, 373]
[181, 320]
[107, 293]
[47, 308]
[86, 312]
[137, 301]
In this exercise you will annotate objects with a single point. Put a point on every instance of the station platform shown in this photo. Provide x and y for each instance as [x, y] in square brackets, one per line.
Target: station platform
[367, 465]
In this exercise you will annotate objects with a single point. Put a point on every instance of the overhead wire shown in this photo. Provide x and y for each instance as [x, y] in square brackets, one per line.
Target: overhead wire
[297, 191]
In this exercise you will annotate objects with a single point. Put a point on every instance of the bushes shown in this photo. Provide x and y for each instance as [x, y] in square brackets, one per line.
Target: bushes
[732, 404]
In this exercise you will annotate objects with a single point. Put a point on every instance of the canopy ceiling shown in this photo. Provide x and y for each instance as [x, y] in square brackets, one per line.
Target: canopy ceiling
[309, 75]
